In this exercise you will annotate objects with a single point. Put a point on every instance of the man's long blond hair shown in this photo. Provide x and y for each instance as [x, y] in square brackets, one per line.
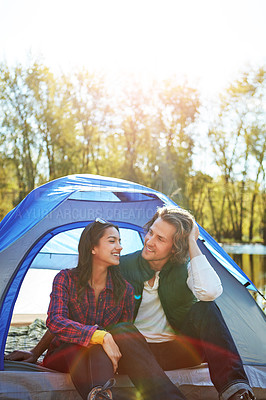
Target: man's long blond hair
[183, 221]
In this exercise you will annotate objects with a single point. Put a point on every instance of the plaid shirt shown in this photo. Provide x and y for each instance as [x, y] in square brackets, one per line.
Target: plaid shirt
[74, 321]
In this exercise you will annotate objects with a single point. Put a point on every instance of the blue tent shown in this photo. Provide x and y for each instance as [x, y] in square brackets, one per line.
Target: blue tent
[30, 237]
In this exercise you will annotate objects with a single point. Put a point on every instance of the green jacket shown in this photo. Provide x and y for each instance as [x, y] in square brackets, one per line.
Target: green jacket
[175, 296]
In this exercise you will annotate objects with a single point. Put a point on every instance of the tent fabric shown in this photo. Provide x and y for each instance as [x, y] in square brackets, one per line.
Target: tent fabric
[70, 203]
[24, 381]
[241, 313]
[41, 201]
[195, 382]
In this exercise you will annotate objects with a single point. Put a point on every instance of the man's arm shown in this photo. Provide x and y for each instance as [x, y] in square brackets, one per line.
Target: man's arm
[32, 355]
[202, 280]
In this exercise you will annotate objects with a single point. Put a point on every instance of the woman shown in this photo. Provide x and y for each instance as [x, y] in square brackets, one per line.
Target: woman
[85, 302]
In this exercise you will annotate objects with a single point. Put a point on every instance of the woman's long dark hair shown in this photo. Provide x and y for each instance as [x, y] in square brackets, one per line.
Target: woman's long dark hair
[88, 240]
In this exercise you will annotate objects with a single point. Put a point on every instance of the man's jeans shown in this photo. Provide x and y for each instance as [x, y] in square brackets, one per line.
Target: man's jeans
[139, 363]
[204, 338]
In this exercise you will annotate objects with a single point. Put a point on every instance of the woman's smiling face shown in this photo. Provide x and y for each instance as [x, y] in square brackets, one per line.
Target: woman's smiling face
[108, 249]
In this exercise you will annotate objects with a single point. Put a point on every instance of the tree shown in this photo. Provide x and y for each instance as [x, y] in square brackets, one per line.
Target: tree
[21, 142]
[233, 137]
[134, 130]
[176, 110]
[91, 111]
[52, 110]
[200, 188]
[8, 192]
[258, 147]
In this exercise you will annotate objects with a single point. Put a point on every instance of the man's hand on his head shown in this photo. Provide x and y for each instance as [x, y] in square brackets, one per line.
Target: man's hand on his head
[194, 234]
[193, 248]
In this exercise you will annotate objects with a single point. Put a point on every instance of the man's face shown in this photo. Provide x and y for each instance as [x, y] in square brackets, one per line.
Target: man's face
[158, 242]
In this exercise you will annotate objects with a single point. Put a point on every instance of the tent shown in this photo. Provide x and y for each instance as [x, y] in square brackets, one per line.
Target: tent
[43, 230]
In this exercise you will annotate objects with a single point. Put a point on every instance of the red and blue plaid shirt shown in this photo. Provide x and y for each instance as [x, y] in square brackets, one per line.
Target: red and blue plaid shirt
[74, 321]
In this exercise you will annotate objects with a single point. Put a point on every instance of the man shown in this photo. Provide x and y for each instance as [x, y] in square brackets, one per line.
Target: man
[175, 311]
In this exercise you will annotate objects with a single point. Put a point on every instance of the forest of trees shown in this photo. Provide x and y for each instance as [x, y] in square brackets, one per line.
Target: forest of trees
[52, 125]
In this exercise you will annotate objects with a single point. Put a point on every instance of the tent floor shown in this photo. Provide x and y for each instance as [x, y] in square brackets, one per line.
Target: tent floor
[25, 381]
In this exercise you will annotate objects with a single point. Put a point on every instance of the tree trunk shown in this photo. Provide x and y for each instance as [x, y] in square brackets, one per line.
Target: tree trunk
[252, 216]
[217, 234]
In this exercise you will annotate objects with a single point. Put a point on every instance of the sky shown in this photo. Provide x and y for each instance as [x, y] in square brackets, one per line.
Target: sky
[208, 41]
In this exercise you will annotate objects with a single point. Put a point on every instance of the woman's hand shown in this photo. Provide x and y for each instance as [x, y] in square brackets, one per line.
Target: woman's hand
[20, 355]
[112, 350]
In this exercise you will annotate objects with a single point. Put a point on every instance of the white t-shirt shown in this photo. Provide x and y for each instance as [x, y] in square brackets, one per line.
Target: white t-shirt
[151, 320]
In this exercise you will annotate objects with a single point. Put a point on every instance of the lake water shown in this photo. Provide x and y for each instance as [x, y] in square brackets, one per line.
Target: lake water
[252, 260]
